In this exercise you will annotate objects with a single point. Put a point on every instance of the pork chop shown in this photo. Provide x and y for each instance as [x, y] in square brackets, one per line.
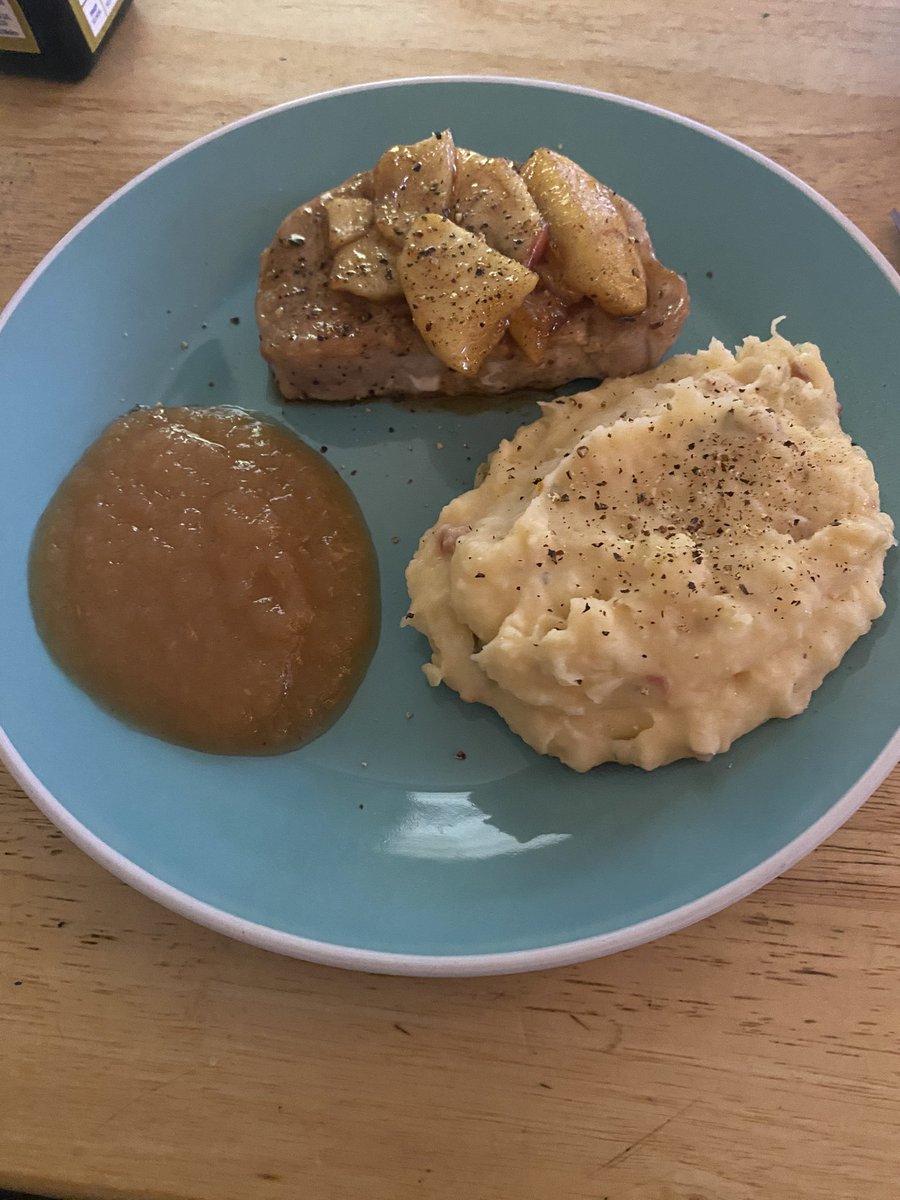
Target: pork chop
[328, 344]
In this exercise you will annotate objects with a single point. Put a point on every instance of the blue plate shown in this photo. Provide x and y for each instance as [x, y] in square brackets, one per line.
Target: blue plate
[379, 846]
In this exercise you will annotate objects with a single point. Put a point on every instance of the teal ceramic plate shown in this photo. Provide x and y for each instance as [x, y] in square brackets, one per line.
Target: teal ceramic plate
[378, 846]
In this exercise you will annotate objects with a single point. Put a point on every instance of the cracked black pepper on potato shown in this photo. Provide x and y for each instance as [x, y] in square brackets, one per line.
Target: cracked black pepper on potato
[659, 565]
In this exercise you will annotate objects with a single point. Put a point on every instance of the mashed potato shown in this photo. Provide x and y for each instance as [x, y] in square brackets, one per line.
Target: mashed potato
[659, 565]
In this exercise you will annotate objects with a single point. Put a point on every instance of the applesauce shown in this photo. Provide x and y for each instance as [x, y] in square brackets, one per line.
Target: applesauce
[209, 578]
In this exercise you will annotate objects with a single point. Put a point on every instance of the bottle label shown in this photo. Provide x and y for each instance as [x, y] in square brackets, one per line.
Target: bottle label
[15, 32]
[93, 17]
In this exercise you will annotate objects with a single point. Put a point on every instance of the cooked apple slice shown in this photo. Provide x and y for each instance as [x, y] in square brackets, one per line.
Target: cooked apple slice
[413, 179]
[536, 320]
[549, 271]
[368, 268]
[349, 217]
[460, 291]
[588, 234]
[491, 199]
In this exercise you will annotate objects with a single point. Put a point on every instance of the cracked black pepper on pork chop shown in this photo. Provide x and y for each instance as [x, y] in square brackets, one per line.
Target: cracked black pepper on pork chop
[445, 272]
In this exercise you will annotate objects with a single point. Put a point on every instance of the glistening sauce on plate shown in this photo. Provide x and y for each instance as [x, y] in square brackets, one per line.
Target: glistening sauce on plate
[208, 577]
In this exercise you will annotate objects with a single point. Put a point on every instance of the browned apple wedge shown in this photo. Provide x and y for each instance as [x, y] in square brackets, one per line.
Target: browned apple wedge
[413, 179]
[460, 290]
[349, 217]
[536, 320]
[588, 234]
[549, 270]
[367, 268]
[491, 199]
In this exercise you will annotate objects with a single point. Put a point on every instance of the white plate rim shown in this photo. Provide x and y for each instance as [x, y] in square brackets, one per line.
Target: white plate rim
[502, 962]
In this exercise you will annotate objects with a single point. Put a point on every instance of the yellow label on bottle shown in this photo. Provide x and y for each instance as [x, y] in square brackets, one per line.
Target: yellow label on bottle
[15, 32]
[94, 18]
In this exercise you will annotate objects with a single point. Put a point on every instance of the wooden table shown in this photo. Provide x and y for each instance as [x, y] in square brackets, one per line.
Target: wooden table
[754, 1055]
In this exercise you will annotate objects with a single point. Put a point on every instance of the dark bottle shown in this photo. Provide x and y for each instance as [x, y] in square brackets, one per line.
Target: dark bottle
[58, 39]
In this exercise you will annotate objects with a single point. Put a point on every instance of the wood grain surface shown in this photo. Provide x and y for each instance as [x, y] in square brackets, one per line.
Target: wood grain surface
[755, 1055]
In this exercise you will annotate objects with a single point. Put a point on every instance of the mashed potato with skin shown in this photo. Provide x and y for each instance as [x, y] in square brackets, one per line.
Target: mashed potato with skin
[659, 565]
